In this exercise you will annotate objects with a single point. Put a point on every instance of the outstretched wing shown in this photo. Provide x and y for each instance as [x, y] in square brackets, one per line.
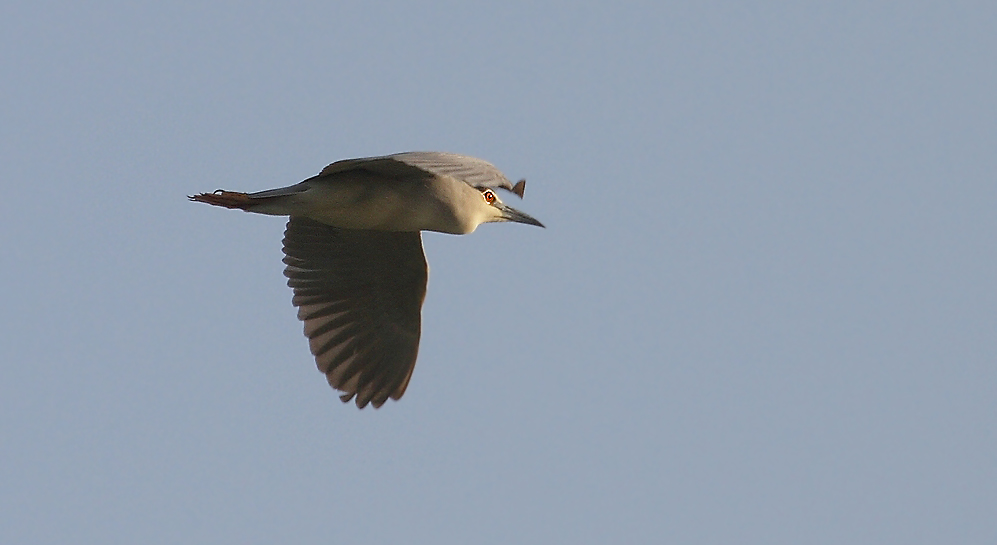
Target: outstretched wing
[470, 170]
[359, 294]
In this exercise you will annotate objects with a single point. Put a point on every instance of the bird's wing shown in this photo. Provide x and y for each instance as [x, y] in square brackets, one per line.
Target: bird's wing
[470, 170]
[360, 296]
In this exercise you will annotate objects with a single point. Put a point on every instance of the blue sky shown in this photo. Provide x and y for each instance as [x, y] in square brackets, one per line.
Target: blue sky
[763, 310]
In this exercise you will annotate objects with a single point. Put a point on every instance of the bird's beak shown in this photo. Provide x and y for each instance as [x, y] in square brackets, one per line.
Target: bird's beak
[511, 214]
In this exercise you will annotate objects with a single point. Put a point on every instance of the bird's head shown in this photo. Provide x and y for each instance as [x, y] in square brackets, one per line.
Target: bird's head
[495, 210]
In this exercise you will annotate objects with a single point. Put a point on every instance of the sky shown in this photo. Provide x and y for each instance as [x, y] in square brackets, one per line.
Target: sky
[762, 311]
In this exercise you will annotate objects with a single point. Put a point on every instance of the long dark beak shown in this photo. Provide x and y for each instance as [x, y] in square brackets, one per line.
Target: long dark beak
[511, 214]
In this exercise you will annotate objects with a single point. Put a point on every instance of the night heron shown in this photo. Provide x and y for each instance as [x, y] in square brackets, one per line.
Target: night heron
[353, 251]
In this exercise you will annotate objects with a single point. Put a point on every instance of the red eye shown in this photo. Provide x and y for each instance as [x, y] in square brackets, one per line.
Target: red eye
[489, 196]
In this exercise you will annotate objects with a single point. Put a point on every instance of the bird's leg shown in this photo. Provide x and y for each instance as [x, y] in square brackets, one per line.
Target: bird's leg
[228, 199]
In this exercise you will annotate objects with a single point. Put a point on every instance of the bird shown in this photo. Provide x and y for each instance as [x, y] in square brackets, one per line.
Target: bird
[354, 259]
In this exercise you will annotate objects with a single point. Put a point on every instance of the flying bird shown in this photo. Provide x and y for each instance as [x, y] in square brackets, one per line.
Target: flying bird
[354, 258]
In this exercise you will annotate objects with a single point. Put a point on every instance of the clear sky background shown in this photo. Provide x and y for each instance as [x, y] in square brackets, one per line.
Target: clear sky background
[763, 311]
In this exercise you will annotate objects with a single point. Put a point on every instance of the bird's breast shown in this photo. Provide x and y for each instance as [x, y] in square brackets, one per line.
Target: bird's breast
[383, 205]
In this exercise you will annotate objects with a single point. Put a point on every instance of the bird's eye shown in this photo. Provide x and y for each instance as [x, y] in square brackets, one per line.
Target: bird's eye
[489, 196]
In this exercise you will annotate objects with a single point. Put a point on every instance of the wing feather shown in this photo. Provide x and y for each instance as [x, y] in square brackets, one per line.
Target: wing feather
[415, 164]
[359, 294]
